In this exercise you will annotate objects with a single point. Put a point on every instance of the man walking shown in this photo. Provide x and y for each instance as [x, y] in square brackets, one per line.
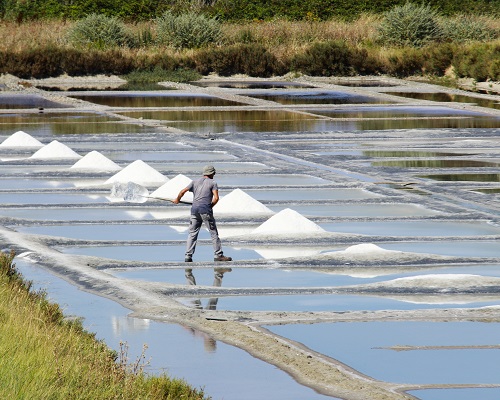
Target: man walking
[205, 197]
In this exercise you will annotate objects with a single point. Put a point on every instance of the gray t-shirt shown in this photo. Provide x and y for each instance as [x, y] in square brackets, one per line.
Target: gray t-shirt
[202, 194]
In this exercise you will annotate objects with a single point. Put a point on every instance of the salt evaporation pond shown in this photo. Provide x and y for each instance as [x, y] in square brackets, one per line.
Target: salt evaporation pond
[220, 369]
[414, 228]
[166, 155]
[361, 210]
[449, 248]
[22, 198]
[330, 302]
[316, 194]
[291, 278]
[367, 353]
[160, 253]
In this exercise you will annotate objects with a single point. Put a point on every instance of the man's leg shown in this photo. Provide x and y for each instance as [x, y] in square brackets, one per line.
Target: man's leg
[194, 228]
[212, 227]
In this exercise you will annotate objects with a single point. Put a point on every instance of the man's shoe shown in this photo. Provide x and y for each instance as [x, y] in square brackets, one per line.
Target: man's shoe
[223, 258]
[188, 259]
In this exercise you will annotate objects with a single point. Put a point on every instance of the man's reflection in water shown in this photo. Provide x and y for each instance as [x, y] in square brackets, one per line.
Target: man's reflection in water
[218, 275]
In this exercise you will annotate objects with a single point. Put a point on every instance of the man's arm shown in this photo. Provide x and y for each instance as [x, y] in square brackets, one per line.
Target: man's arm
[215, 198]
[179, 196]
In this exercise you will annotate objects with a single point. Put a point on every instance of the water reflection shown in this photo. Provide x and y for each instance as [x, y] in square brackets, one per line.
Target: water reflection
[317, 97]
[398, 153]
[27, 101]
[449, 97]
[434, 164]
[218, 275]
[464, 177]
[155, 100]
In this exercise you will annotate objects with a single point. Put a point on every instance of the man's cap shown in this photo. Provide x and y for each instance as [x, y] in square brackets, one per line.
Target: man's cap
[208, 170]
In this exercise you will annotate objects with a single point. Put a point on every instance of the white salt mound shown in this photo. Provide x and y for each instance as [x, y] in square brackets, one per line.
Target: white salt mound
[367, 248]
[288, 221]
[171, 189]
[21, 139]
[95, 161]
[239, 202]
[138, 172]
[55, 149]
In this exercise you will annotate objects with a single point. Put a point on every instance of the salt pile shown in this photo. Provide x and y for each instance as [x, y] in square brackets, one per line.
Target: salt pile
[171, 189]
[21, 139]
[240, 203]
[368, 248]
[288, 221]
[95, 161]
[55, 149]
[138, 172]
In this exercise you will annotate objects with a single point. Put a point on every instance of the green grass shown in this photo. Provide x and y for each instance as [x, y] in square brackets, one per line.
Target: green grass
[45, 356]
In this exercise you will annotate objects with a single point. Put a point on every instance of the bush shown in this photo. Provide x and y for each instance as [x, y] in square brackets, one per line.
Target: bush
[99, 32]
[410, 25]
[437, 58]
[405, 62]
[250, 59]
[467, 28]
[479, 62]
[331, 59]
[189, 30]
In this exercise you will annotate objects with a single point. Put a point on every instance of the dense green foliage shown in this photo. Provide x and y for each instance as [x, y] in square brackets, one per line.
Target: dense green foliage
[228, 10]
[189, 30]
[410, 25]
[99, 31]
[46, 356]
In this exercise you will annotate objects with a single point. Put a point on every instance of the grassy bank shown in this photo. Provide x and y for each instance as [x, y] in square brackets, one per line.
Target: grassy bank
[44, 356]
[460, 46]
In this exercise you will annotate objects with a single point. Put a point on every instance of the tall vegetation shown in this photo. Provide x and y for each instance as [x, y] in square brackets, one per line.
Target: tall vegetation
[45, 356]
[406, 40]
[227, 10]
[188, 30]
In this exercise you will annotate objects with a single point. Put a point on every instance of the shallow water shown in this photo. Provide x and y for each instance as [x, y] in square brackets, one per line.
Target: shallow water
[250, 84]
[435, 164]
[457, 394]
[360, 210]
[222, 370]
[449, 248]
[368, 352]
[330, 302]
[316, 97]
[448, 97]
[464, 177]
[270, 278]
[160, 253]
[165, 99]
[414, 228]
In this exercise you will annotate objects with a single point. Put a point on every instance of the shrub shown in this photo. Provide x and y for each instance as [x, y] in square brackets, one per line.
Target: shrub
[479, 62]
[250, 59]
[467, 28]
[329, 59]
[100, 32]
[405, 62]
[410, 25]
[189, 30]
[437, 58]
